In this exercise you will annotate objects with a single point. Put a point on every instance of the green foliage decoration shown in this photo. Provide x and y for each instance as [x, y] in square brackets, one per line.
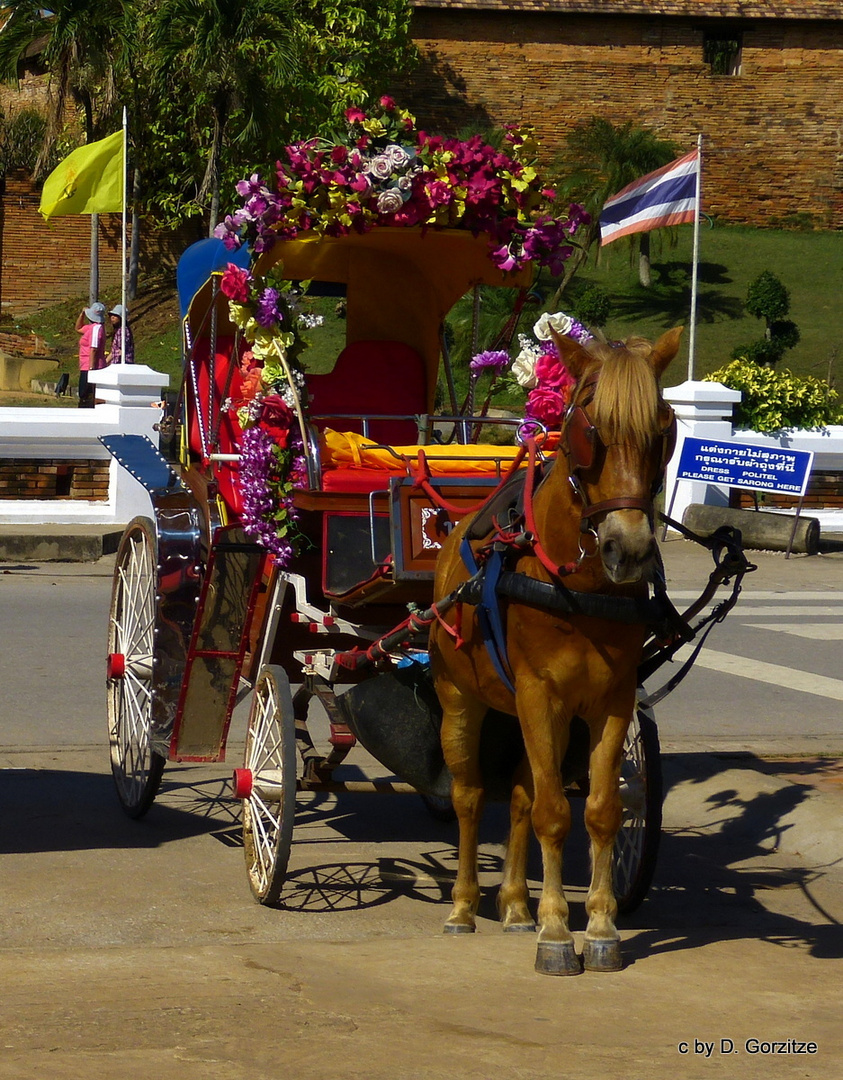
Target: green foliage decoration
[778, 400]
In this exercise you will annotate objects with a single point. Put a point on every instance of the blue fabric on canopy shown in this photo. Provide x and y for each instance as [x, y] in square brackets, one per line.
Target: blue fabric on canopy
[199, 261]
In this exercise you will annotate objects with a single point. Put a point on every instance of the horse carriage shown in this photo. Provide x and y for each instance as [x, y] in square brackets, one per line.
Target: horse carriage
[332, 537]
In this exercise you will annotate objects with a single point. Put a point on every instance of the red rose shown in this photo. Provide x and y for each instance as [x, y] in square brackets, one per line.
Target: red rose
[276, 418]
[235, 284]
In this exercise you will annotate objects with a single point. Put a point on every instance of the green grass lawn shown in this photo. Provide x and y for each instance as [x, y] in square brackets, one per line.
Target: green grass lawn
[809, 264]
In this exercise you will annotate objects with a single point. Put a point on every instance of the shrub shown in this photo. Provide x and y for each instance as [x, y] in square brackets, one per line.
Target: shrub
[776, 400]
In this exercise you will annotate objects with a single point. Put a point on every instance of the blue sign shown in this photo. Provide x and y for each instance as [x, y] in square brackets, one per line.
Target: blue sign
[762, 468]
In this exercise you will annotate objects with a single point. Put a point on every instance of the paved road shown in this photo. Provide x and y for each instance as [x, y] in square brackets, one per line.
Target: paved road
[133, 950]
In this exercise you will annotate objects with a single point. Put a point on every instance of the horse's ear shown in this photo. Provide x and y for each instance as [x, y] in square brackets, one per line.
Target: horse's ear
[665, 349]
[571, 353]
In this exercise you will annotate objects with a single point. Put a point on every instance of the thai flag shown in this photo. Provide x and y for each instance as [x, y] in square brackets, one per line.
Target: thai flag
[668, 196]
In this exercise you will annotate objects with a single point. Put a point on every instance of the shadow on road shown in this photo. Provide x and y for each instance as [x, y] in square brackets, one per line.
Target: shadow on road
[721, 873]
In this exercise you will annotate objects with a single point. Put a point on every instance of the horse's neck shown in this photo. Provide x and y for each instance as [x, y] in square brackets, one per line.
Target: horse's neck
[557, 512]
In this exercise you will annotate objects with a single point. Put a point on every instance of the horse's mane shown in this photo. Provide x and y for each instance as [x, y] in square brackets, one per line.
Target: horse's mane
[626, 400]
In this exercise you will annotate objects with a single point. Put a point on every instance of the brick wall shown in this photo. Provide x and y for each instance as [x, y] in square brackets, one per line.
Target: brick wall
[42, 264]
[51, 478]
[772, 146]
[825, 490]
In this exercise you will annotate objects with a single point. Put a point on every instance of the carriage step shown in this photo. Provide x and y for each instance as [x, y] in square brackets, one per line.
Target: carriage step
[314, 625]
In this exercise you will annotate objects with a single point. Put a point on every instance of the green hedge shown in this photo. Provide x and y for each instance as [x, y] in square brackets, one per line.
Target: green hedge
[778, 400]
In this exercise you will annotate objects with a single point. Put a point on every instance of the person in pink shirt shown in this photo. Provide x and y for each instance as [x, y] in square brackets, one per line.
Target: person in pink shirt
[90, 325]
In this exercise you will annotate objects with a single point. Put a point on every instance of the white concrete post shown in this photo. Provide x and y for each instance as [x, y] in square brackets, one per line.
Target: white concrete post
[703, 410]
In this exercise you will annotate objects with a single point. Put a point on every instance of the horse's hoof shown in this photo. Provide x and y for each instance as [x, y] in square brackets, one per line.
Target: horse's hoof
[557, 958]
[602, 955]
[457, 928]
[520, 928]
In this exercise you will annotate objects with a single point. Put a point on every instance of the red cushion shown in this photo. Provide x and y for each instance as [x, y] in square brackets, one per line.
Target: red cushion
[372, 377]
[360, 481]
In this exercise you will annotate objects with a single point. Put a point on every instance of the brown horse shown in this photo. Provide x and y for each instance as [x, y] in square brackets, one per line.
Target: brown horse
[592, 521]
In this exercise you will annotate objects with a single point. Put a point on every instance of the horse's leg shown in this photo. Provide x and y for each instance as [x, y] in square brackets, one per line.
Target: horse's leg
[462, 722]
[545, 737]
[513, 897]
[603, 812]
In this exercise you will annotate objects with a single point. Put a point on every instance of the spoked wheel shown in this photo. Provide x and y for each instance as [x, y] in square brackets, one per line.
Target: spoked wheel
[637, 843]
[267, 784]
[136, 767]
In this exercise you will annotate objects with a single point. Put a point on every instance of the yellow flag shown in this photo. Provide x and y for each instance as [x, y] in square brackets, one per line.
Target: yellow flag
[89, 181]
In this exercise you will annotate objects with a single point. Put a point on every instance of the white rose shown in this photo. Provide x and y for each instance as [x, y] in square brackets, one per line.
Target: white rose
[397, 155]
[560, 322]
[380, 167]
[389, 201]
[524, 368]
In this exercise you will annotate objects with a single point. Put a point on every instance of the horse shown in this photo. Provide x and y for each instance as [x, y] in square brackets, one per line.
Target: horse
[589, 522]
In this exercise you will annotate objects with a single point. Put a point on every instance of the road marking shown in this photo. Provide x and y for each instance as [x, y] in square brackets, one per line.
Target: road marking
[805, 682]
[813, 631]
[830, 595]
[740, 610]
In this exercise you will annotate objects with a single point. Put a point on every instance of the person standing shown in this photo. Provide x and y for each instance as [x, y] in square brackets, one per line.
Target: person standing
[122, 342]
[90, 325]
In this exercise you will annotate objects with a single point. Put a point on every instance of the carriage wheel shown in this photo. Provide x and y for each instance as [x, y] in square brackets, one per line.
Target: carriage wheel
[637, 843]
[135, 766]
[267, 784]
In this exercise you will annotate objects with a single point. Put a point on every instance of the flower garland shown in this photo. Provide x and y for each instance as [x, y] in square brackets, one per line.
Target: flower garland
[272, 462]
[385, 172]
[538, 369]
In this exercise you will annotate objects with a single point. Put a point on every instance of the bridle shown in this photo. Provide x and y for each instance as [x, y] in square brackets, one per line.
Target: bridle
[583, 447]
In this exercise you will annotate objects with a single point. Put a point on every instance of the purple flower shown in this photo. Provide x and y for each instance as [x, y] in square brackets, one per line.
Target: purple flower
[497, 360]
[268, 311]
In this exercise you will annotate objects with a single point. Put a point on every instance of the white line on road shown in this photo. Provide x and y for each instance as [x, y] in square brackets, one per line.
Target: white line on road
[812, 631]
[740, 610]
[805, 682]
[829, 595]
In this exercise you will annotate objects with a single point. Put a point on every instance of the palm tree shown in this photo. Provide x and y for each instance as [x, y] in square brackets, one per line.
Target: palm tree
[237, 55]
[79, 42]
[602, 158]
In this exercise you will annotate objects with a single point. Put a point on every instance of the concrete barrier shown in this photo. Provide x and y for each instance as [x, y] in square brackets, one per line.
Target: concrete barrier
[760, 530]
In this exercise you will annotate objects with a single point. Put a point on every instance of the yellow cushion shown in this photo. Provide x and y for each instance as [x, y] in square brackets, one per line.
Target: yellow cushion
[348, 450]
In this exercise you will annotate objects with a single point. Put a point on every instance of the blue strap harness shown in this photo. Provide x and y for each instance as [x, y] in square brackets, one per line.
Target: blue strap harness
[488, 610]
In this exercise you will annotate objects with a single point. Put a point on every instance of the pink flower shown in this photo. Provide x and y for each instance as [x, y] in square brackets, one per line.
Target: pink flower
[547, 406]
[235, 284]
[552, 373]
[387, 103]
[355, 115]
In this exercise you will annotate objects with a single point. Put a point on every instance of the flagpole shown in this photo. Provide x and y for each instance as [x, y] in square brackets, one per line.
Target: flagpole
[692, 339]
[125, 320]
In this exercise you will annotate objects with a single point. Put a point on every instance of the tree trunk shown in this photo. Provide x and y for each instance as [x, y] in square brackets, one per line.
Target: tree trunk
[644, 276]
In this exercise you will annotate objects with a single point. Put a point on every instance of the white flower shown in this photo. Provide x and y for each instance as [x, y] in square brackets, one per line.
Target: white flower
[389, 201]
[524, 368]
[560, 322]
[380, 167]
[397, 156]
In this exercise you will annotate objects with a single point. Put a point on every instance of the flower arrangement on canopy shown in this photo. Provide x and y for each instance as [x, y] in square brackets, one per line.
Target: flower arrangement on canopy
[388, 173]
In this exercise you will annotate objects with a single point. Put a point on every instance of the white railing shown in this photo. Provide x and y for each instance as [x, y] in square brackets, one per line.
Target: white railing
[128, 393]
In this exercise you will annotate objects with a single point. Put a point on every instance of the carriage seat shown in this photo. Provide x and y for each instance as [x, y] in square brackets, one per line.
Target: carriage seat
[370, 378]
[353, 463]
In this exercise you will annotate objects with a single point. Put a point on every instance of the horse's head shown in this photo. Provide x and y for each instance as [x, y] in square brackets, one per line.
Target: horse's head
[618, 436]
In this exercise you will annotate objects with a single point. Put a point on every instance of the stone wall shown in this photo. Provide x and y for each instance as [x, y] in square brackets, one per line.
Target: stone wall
[772, 134]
